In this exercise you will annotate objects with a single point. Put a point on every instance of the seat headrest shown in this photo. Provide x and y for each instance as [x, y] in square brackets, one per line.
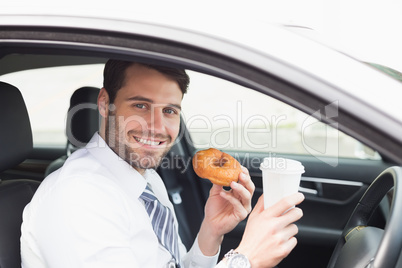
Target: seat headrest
[83, 117]
[15, 132]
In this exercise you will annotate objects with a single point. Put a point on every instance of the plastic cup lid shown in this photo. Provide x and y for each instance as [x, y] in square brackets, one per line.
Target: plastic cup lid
[282, 165]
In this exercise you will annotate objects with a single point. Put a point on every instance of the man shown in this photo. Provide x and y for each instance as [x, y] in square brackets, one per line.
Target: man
[97, 210]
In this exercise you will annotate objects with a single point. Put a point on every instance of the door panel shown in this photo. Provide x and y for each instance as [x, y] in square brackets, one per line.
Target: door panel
[331, 195]
[250, 126]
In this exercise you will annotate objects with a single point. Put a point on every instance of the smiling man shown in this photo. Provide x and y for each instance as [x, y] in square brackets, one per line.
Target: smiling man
[107, 207]
[143, 119]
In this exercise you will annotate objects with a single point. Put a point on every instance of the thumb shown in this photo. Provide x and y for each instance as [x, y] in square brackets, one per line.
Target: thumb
[285, 203]
[215, 189]
[259, 207]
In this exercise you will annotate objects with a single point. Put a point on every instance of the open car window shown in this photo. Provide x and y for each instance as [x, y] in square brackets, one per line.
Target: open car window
[230, 117]
[218, 113]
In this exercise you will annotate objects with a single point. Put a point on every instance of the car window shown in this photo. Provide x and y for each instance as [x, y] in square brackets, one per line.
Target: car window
[230, 117]
[47, 93]
[217, 113]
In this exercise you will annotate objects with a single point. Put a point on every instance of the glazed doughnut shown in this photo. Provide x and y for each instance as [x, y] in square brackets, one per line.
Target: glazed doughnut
[218, 167]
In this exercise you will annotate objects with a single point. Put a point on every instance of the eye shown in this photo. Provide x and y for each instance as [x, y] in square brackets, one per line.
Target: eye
[140, 106]
[170, 111]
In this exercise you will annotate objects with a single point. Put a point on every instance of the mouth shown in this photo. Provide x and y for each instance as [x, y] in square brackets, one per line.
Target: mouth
[148, 142]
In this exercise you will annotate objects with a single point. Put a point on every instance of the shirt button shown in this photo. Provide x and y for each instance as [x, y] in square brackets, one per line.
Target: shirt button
[193, 263]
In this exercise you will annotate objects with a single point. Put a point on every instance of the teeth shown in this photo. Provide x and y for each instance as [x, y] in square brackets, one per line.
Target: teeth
[147, 142]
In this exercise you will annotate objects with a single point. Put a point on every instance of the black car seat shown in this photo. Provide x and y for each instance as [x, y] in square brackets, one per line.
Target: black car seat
[83, 121]
[15, 146]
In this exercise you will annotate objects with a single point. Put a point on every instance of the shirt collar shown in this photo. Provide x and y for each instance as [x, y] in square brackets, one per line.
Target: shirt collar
[125, 175]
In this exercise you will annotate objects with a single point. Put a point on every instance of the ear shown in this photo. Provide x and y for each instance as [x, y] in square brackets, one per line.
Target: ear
[103, 102]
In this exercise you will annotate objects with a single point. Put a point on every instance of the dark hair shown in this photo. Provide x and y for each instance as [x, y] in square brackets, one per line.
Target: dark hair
[115, 72]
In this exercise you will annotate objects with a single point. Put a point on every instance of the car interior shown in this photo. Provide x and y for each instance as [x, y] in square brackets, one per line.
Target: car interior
[82, 123]
[16, 144]
[332, 191]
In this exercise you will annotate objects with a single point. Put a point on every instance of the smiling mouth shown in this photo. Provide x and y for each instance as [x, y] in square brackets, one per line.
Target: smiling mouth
[148, 142]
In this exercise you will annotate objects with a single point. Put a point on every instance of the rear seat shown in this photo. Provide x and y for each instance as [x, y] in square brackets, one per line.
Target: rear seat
[83, 121]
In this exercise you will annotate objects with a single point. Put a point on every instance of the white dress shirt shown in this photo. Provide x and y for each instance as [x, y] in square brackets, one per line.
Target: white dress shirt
[88, 214]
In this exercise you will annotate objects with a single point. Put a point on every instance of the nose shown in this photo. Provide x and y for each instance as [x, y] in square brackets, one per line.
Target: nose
[156, 124]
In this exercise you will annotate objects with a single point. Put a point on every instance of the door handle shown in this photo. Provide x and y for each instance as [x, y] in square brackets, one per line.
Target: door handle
[305, 190]
[314, 186]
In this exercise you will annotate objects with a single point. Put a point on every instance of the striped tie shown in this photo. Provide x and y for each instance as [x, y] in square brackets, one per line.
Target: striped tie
[162, 223]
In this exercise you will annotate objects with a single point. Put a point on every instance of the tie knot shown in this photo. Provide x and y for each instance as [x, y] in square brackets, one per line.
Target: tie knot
[148, 195]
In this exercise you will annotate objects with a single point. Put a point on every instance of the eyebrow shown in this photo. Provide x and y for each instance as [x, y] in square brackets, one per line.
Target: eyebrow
[141, 98]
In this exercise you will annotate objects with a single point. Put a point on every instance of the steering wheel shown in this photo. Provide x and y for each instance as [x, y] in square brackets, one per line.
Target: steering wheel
[365, 246]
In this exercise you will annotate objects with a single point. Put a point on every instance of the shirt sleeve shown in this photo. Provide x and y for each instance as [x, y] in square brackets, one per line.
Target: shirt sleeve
[84, 226]
[195, 258]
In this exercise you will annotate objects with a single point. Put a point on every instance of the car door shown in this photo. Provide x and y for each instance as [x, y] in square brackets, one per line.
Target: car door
[338, 169]
[250, 126]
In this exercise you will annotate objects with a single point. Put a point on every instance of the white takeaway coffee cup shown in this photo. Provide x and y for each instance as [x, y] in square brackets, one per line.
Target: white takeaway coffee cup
[280, 178]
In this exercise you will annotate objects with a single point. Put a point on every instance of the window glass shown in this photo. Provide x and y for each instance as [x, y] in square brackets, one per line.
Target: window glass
[47, 93]
[230, 117]
[218, 114]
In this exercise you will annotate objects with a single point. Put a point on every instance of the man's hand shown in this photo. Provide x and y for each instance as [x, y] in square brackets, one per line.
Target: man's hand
[269, 234]
[223, 211]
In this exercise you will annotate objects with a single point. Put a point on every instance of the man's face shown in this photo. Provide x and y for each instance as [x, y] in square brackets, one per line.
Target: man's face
[144, 121]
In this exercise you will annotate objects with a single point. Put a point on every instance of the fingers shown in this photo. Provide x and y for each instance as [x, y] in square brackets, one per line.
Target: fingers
[287, 247]
[259, 207]
[215, 189]
[239, 210]
[245, 180]
[286, 203]
[244, 169]
[291, 216]
[290, 231]
[242, 194]
[287, 241]
[243, 190]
